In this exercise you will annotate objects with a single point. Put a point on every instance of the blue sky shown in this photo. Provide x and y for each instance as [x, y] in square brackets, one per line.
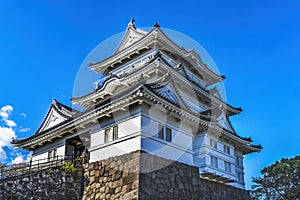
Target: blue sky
[256, 44]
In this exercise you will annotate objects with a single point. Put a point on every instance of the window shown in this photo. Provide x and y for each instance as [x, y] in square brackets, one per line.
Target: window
[240, 177]
[168, 134]
[160, 131]
[54, 154]
[214, 161]
[49, 156]
[106, 135]
[110, 135]
[115, 132]
[227, 166]
[164, 133]
[226, 149]
[213, 143]
[239, 161]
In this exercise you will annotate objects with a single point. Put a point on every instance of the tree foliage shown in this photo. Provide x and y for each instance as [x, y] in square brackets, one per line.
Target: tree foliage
[68, 167]
[279, 181]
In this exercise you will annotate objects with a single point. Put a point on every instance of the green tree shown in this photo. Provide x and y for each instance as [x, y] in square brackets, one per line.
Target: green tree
[279, 181]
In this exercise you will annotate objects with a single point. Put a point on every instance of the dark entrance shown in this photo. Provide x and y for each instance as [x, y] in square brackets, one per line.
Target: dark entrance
[74, 147]
[78, 146]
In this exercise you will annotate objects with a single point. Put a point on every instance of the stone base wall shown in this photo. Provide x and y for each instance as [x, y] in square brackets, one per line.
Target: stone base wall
[139, 175]
[46, 184]
[180, 181]
[114, 178]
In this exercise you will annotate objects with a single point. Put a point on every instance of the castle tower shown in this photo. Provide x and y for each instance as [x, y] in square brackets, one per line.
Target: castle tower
[157, 97]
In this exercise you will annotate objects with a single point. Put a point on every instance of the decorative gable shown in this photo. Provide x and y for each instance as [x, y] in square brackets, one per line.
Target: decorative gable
[132, 35]
[57, 114]
[53, 118]
[169, 93]
[224, 122]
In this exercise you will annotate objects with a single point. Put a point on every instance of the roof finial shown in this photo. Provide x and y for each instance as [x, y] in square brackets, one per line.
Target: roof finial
[131, 23]
[156, 25]
[132, 20]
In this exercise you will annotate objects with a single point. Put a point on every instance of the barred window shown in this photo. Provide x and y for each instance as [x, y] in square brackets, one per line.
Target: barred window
[115, 132]
[160, 131]
[164, 133]
[49, 156]
[168, 134]
[227, 167]
[239, 161]
[106, 135]
[227, 149]
[214, 161]
[240, 177]
[54, 154]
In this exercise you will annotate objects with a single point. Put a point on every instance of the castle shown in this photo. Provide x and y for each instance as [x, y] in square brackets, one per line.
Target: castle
[154, 96]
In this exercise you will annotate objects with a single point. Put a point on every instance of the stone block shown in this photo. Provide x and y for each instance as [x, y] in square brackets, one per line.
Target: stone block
[92, 173]
[124, 189]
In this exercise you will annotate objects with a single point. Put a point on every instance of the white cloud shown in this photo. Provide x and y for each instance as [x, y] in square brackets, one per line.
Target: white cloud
[7, 108]
[24, 130]
[6, 134]
[10, 123]
[5, 112]
[3, 155]
[21, 158]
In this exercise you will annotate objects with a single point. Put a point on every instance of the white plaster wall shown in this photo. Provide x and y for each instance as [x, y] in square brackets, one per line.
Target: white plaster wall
[97, 138]
[179, 149]
[129, 132]
[39, 158]
[60, 151]
[115, 148]
[167, 150]
[42, 156]
[125, 128]
[205, 148]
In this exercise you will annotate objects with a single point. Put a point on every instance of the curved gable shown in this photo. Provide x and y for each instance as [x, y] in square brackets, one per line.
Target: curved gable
[57, 114]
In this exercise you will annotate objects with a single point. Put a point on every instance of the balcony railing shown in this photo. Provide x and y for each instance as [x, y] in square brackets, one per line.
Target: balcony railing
[8, 171]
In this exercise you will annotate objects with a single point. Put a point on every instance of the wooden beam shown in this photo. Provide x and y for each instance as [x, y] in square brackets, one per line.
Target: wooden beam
[82, 126]
[95, 120]
[146, 75]
[123, 109]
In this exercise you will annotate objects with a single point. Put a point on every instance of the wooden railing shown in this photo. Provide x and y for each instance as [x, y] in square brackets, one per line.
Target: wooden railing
[7, 171]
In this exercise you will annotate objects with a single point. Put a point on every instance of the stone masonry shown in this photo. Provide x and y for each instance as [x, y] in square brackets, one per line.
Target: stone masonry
[51, 183]
[114, 178]
[139, 175]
